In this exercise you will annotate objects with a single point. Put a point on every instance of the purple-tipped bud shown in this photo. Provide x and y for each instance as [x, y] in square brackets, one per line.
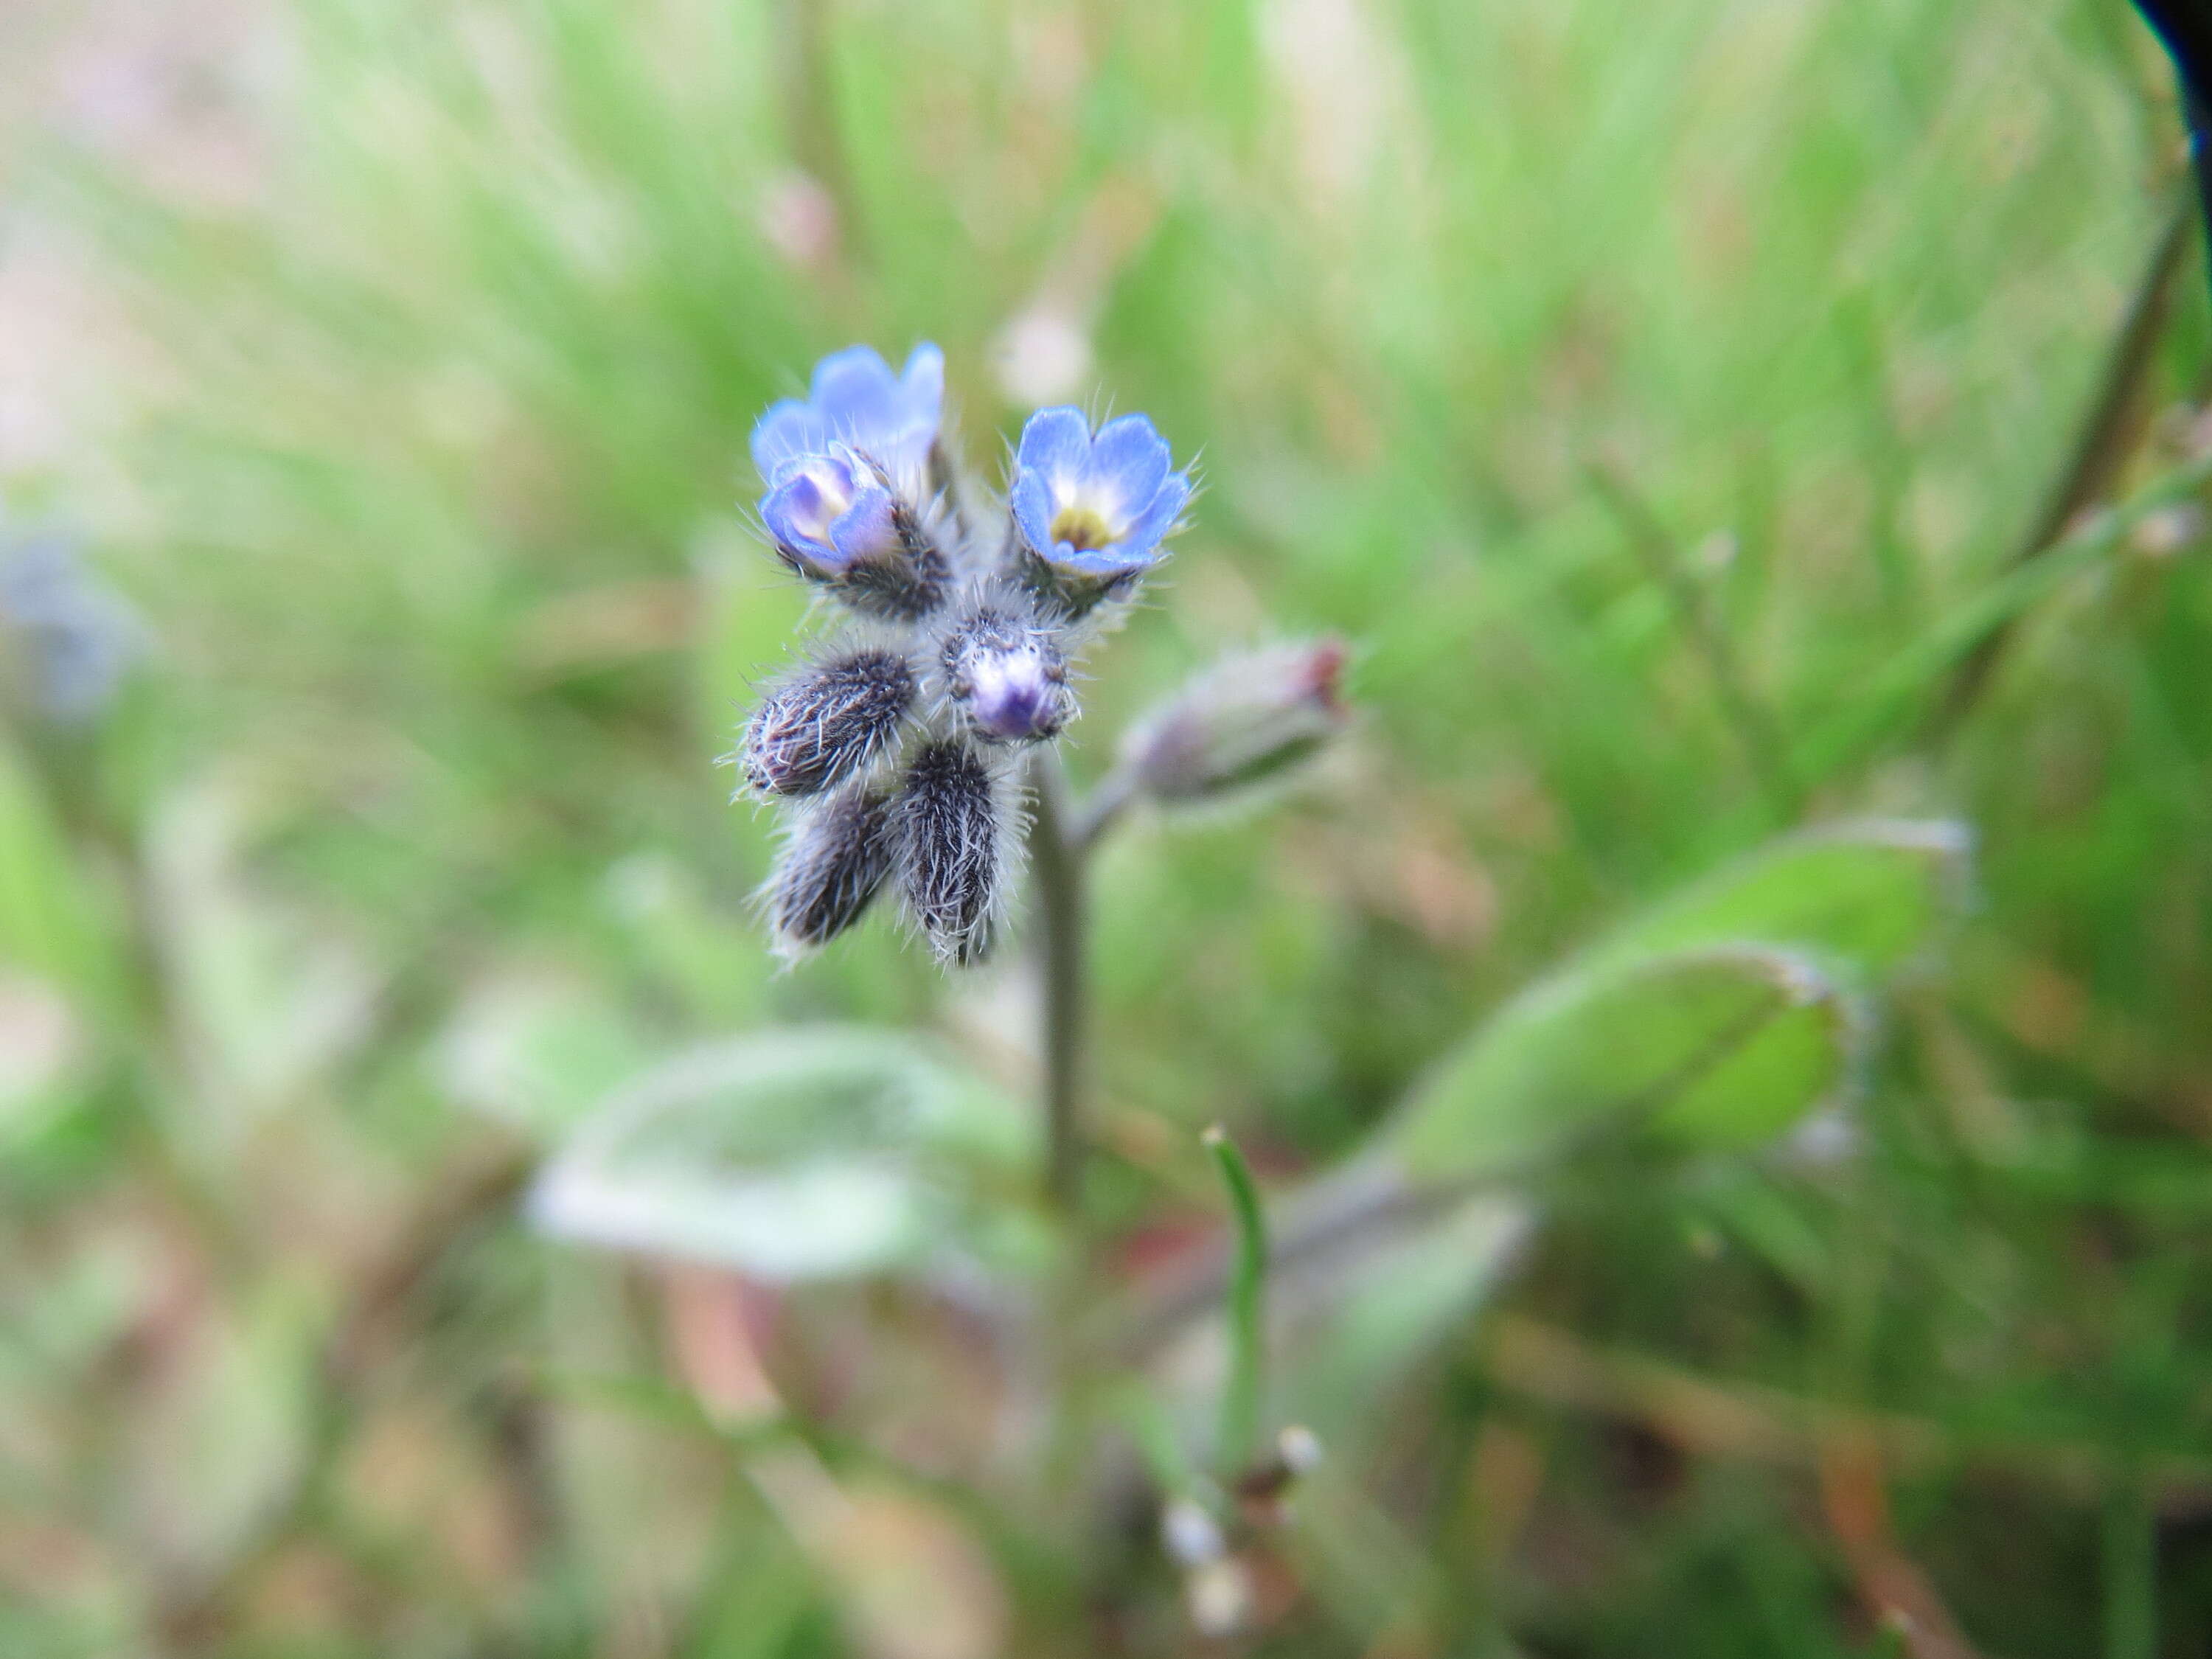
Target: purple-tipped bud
[1008, 681]
[950, 854]
[837, 861]
[828, 724]
[1246, 720]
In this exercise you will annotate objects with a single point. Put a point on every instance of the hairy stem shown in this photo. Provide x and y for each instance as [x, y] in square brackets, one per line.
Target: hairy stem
[1057, 862]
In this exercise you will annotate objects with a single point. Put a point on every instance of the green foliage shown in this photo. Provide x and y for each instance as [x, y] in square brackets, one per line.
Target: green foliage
[1721, 1018]
[817, 1152]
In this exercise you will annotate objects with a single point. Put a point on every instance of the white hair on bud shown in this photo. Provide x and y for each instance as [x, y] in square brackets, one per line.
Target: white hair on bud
[837, 857]
[828, 723]
[956, 841]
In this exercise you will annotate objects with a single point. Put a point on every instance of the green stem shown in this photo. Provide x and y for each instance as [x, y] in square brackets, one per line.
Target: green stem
[1240, 1394]
[2102, 443]
[2131, 1553]
[1754, 728]
[1056, 865]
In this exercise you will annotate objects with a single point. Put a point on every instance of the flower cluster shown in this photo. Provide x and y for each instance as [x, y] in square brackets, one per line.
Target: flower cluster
[896, 750]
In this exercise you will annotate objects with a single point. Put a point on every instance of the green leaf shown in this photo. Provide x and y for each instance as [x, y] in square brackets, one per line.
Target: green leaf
[1871, 892]
[1248, 1283]
[1720, 1046]
[51, 922]
[831, 1152]
[1715, 1020]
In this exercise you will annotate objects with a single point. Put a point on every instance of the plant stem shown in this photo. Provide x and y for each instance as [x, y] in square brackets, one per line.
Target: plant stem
[1057, 862]
[1747, 717]
[1240, 1394]
[2130, 1568]
[2106, 437]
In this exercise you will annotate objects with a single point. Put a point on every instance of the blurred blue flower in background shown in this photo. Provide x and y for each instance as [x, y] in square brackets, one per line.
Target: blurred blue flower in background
[1095, 507]
[77, 637]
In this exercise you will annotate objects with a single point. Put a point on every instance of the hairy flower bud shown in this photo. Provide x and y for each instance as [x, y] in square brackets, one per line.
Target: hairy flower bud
[836, 861]
[951, 849]
[1247, 718]
[827, 724]
[1008, 681]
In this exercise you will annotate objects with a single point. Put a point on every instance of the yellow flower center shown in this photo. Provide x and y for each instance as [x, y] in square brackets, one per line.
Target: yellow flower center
[1083, 528]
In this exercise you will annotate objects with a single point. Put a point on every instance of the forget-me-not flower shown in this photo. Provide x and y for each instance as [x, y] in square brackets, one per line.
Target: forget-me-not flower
[833, 460]
[1094, 509]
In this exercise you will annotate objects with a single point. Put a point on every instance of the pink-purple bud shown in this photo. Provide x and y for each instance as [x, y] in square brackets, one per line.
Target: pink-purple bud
[1246, 720]
[1008, 681]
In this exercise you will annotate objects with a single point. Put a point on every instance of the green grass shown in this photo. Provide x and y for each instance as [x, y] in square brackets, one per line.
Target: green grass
[430, 477]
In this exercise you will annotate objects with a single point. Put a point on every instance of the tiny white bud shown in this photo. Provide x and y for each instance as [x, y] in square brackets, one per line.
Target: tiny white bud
[1190, 1535]
[1299, 1448]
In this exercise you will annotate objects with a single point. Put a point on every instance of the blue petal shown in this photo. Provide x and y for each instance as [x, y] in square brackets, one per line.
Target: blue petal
[922, 384]
[1031, 501]
[1130, 459]
[1105, 563]
[865, 530]
[1158, 518]
[790, 432]
[789, 506]
[854, 388]
[854, 398]
[1055, 444]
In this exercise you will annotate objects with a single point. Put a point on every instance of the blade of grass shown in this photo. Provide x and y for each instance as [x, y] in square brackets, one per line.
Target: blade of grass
[2108, 432]
[1763, 750]
[1880, 706]
[1240, 1394]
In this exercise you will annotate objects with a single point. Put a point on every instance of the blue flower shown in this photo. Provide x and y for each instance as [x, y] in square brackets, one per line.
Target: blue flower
[1095, 507]
[856, 402]
[830, 513]
[78, 636]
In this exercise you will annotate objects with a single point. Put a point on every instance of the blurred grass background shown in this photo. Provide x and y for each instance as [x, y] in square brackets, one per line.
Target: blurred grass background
[395, 360]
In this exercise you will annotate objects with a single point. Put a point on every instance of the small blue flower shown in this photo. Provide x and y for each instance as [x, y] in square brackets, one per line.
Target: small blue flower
[830, 513]
[856, 402]
[1095, 507]
[79, 637]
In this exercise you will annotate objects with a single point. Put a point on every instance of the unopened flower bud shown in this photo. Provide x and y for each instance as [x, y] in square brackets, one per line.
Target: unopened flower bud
[827, 724]
[1246, 720]
[1008, 681]
[838, 860]
[951, 849]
